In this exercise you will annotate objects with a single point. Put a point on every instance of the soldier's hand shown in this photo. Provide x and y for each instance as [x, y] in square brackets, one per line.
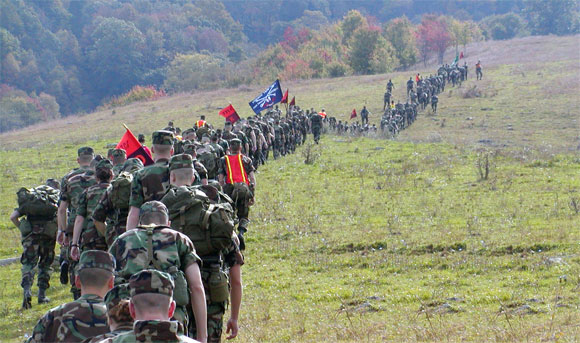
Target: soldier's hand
[232, 328]
[75, 253]
[60, 237]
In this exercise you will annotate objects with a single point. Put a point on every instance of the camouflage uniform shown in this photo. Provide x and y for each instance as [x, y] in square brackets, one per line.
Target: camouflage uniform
[91, 239]
[116, 217]
[38, 241]
[241, 203]
[172, 252]
[152, 182]
[152, 282]
[72, 187]
[112, 299]
[316, 125]
[118, 155]
[80, 319]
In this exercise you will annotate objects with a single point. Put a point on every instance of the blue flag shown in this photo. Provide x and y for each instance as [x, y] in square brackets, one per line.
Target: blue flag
[271, 96]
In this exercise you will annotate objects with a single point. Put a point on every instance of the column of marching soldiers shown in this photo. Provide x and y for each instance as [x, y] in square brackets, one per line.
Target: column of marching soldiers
[171, 233]
[421, 92]
[152, 253]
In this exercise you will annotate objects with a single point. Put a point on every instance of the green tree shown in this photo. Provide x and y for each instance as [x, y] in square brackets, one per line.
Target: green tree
[505, 26]
[399, 32]
[370, 52]
[558, 17]
[115, 56]
[191, 72]
[350, 23]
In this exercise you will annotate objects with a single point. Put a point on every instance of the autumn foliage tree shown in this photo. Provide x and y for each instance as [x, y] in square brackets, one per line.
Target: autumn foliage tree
[434, 36]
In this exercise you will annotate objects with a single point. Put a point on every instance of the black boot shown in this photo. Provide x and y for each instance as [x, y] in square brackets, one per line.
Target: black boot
[27, 299]
[64, 272]
[42, 299]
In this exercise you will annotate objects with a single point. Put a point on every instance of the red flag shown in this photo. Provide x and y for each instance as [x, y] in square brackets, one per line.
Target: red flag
[133, 148]
[353, 113]
[284, 98]
[230, 114]
[293, 101]
[461, 55]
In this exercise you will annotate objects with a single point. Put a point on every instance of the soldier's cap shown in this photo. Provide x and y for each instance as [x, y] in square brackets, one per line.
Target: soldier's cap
[181, 161]
[169, 128]
[228, 123]
[85, 150]
[104, 164]
[96, 160]
[96, 259]
[235, 142]
[162, 137]
[119, 153]
[116, 294]
[110, 152]
[151, 281]
[53, 183]
[132, 165]
[151, 207]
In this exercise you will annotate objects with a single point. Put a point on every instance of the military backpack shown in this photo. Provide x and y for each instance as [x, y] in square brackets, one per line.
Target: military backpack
[208, 225]
[121, 190]
[41, 201]
[208, 158]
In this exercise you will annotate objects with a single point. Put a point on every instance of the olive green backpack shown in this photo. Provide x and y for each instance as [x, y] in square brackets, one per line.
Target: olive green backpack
[209, 225]
[41, 201]
[121, 190]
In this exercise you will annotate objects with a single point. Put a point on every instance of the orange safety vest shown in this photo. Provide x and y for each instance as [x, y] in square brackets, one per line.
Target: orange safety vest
[322, 114]
[200, 123]
[236, 172]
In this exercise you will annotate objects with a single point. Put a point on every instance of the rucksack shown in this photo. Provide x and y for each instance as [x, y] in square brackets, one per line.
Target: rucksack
[121, 190]
[208, 225]
[41, 201]
[209, 160]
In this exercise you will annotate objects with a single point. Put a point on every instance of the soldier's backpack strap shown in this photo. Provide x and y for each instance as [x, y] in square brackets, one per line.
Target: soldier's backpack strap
[150, 257]
[205, 224]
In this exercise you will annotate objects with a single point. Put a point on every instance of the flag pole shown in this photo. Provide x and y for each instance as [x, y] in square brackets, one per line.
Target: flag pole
[125, 126]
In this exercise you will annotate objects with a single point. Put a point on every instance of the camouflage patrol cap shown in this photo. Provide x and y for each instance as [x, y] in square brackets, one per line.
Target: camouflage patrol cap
[85, 150]
[162, 137]
[151, 281]
[153, 206]
[190, 149]
[104, 164]
[132, 165]
[53, 183]
[96, 259]
[181, 161]
[118, 153]
[116, 294]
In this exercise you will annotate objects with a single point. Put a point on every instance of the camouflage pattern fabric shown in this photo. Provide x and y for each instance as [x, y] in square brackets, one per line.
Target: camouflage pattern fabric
[116, 219]
[75, 186]
[162, 137]
[152, 331]
[38, 250]
[121, 329]
[170, 249]
[88, 201]
[150, 183]
[151, 281]
[97, 259]
[72, 322]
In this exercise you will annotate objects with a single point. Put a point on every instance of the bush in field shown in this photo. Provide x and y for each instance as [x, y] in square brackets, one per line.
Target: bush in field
[17, 109]
[197, 71]
[336, 69]
[137, 93]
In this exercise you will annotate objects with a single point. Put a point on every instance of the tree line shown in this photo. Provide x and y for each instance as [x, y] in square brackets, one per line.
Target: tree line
[65, 57]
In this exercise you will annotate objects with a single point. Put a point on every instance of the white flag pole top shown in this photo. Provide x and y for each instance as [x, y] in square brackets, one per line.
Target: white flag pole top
[125, 126]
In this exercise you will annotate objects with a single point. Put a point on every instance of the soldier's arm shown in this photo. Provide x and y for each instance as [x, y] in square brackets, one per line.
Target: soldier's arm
[198, 304]
[135, 202]
[236, 300]
[15, 218]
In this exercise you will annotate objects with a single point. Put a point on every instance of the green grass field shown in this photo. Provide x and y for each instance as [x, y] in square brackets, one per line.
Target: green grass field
[381, 240]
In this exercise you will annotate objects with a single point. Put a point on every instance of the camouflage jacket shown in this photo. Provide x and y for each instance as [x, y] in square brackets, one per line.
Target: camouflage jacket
[170, 248]
[105, 210]
[72, 322]
[74, 188]
[152, 331]
[120, 330]
[150, 183]
[88, 201]
[76, 171]
[117, 169]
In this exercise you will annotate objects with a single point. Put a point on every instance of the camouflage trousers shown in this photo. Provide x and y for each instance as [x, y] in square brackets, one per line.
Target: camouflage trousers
[38, 250]
[215, 322]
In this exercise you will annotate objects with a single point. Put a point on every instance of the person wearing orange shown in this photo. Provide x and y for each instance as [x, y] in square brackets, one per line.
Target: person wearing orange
[201, 122]
[478, 73]
[322, 113]
[236, 176]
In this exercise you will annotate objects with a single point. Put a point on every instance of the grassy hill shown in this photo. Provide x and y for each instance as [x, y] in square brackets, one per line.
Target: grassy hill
[383, 240]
